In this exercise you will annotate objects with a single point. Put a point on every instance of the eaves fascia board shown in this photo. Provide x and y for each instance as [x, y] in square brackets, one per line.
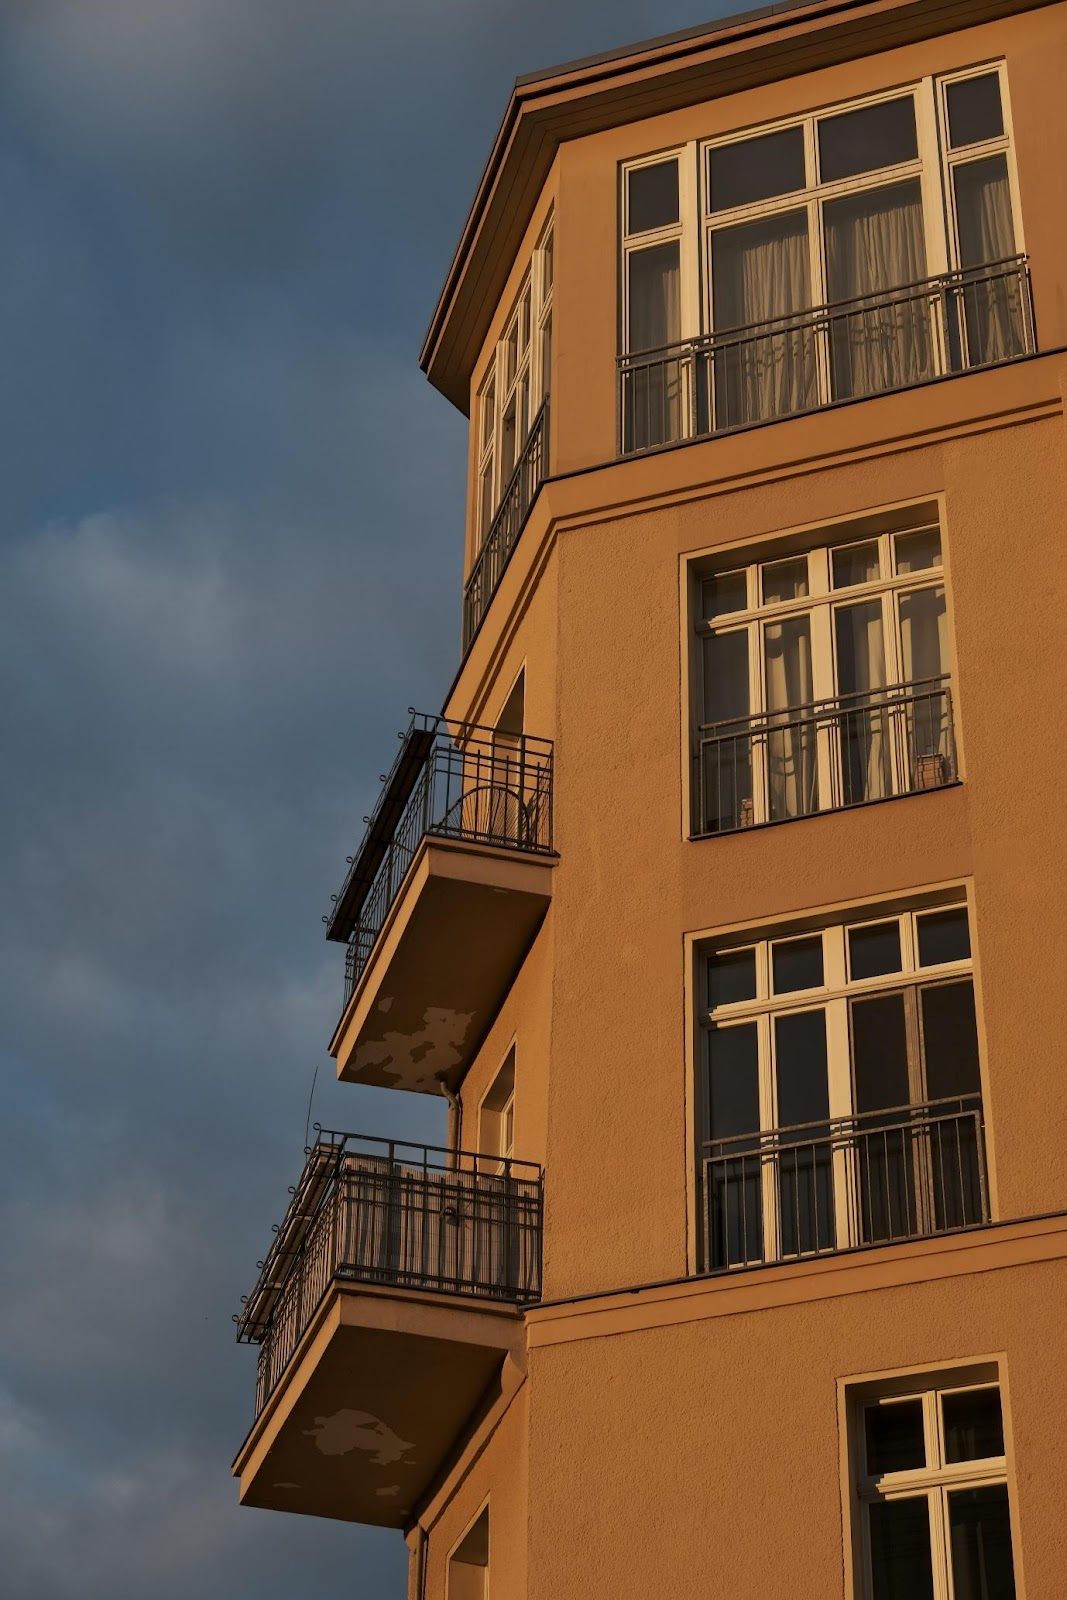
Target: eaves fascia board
[585, 97]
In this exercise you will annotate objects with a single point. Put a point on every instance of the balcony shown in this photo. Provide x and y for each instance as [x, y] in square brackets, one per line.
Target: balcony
[826, 356]
[824, 756]
[383, 1313]
[902, 1173]
[442, 901]
[507, 524]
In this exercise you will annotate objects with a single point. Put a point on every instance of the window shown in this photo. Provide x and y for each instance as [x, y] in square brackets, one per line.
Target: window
[497, 1130]
[515, 386]
[823, 680]
[841, 1089]
[468, 1565]
[930, 1484]
[827, 271]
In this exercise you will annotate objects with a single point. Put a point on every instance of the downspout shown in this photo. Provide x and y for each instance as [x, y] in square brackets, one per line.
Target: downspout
[455, 1120]
[421, 1538]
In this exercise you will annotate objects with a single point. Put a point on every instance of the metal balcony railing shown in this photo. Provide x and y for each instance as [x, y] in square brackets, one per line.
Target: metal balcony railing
[509, 521]
[464, 782]
[406, 1216]
[900, 1173]
[870, 345]
[823, 756]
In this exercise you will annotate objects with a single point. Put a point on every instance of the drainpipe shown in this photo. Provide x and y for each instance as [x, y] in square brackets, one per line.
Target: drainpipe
[455, 1120]
[420, 1562]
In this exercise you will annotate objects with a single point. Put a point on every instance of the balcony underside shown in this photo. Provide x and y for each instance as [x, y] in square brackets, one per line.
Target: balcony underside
[456, 936]
[371, 1404]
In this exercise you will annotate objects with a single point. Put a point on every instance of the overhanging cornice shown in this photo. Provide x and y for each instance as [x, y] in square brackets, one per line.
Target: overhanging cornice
[661, 75]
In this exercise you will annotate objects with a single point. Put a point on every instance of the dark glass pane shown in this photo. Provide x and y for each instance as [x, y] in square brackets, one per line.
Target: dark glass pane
[785, 580]
[800, 1067]
[726, 592]
[731, 977]
[979, 1527]
[950, 1040]
[757, 169]
[880, 1053]
[974, 1426]
[856, 563]
[725, 776]
[726, 686]
[944, 937]
[797, 964]
[874, 950]
[901, 1568]
[733, 1055]
[655, 320]
[895, 1437]
[974, 110]
[653, 197]
[868, 139]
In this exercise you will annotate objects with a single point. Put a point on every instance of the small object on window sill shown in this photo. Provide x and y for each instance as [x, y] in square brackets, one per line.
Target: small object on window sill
[931, 772]
[747, 818]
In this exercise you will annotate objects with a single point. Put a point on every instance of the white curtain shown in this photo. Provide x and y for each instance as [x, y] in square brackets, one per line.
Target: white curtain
[875, 244]
[654, 389]
[760, 273]
[992, 305]
[866, 762]
[792, 767]
[922, 632]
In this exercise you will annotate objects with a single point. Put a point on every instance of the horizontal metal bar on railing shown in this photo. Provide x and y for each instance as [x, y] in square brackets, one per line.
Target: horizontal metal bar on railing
[397, 1214]
[821, 355]
[824, 755]
[821, 1187]
[507, 524]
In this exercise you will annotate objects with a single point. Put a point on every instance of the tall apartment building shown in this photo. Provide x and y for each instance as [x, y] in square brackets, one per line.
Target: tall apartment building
[724, 899]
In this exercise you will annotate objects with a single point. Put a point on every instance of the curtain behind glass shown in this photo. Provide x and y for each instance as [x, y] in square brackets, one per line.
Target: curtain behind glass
[874, 244]
[992, 303]
[653, 390]
[760, 274]
[866, 754]
[792, 767]
[923, 628]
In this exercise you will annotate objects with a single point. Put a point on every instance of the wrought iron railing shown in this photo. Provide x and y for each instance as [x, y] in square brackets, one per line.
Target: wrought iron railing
[463, 782]
[507, 524]
[402, 1215]
[900, 1173]
[823, 756]
[828, 354]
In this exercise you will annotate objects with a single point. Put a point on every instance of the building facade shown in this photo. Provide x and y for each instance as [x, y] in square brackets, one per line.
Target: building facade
[724, 898]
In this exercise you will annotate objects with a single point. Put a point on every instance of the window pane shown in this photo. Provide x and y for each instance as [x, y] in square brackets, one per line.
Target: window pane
[757, 169]
[726, 687]
[901, 1568]
[944, 936]
[922, 634]
[731, 977]
[654, 305]
[547, 264]
[726, 592]
[974, 110]
[979, 1526]
[724, 797]
[983, 212]
[488, 414]
[880, 1053]
[856, 563]
[800, 1068]
[791, 754]
[974, 1426]
[868, 139]
[652, 194]
[895, 1438]
[785, 580]
[797, 964]
[950, 1041]
[733, 1080]
[918, 551]
[874, 949]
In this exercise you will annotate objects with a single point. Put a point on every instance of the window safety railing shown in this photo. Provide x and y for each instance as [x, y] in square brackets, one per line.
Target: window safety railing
[402, 1215]
[468, 783]
[507, 524]
[899, 1173]
[823, 756]
[826, 355]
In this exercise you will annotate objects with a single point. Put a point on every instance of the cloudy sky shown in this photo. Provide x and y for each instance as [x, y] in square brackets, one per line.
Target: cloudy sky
[230, 537]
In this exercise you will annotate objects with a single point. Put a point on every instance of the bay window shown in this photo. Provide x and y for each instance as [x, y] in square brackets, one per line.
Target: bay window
[840, 254]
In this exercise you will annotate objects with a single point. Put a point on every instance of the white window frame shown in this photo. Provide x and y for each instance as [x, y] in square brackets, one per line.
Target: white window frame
[1004, 145]
[523, 384]
[819, 604]
[933, 1482]
[833, 997]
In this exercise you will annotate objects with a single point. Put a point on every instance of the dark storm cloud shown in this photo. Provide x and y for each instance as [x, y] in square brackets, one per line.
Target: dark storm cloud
[230, 514]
